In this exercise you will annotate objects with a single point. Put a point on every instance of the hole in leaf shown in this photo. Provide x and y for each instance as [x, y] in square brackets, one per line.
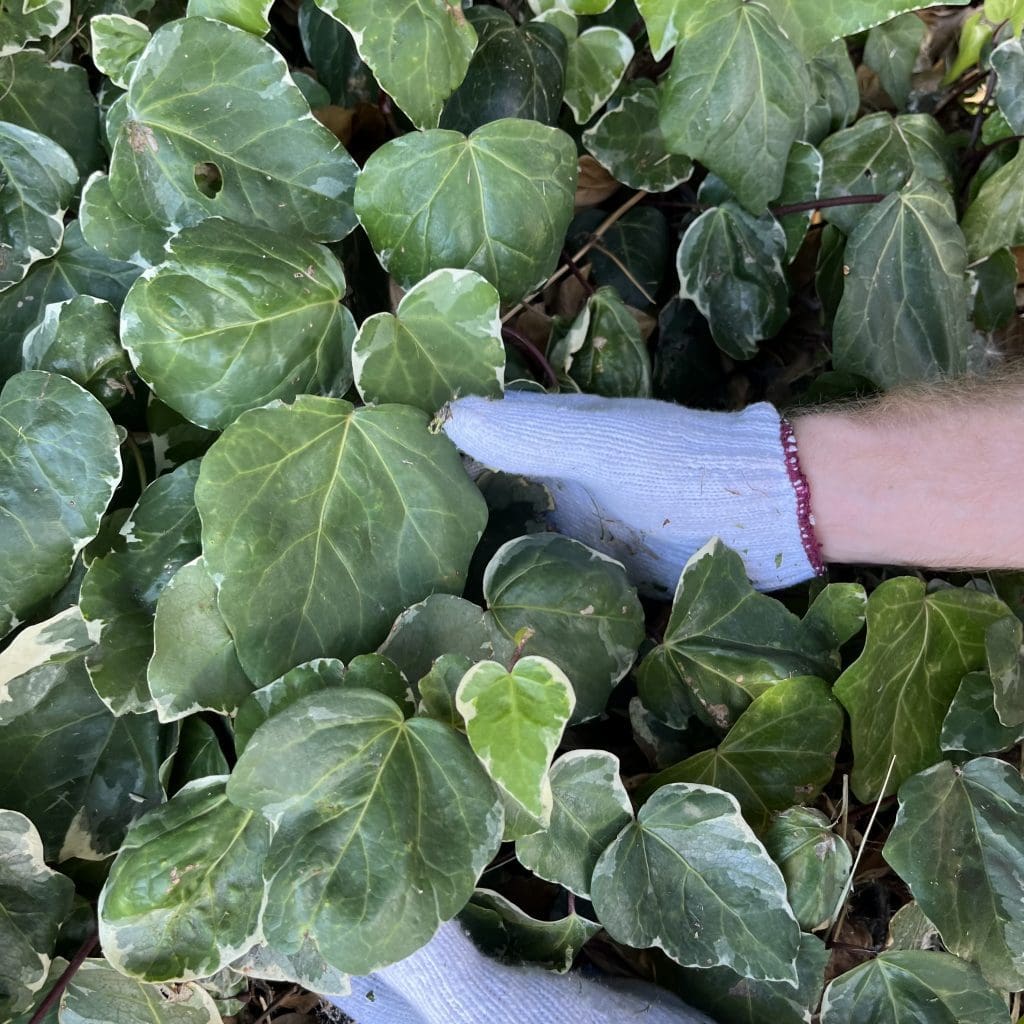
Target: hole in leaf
[208, 179]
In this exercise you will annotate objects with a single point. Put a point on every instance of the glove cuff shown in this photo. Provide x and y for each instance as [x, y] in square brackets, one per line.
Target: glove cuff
[804, 515]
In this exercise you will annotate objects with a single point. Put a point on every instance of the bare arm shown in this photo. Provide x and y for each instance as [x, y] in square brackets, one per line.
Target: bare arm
[925, 476]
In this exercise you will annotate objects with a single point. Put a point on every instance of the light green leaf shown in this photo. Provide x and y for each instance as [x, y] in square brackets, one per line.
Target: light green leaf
[975, 36]
[332, 52]
[729, 900]
[735, 66]
[1004, 651]
[175, 907]
[54, 100]
[725, 644]
[781, 751]
[439, 199]
[926, 987]
[60, 470]
[514, 720]
[25, 21]
[298, 580]
[250, 15]
[1008, 63]
[628, 142]
[971, 821]
[438, 687]
[996, 217]
[273, 698]
[598, 59]
[581, 7]
[33, 904]
[444, 340]
[384, 825]
[236, 317]
[1006, 10]
[878, 155]
[603, 351]
[801, 183]
[194, 665]
[504, 931]
[39, 180]
[81, 775]
[107, 228]
[98, 994]
[187, 117]
[891, 51]
[419, 50]
[730, 266]
[590, 807]
[922, 645]
[306, 968]
[516, 71]
[903, 317]
[815, 863]
[78, 338]
[971, 724]
[813, 23]
[117, 43]
[580, 609]
[733, 999]
[120, 589]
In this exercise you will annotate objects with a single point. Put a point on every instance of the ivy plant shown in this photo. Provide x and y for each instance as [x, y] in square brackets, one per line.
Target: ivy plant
[283, 687]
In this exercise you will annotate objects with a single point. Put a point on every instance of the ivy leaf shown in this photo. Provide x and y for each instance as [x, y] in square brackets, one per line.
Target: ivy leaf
[971, 820]
[438, 688]
[117, 42]
[250, 15]
[419, 51]
[109, 230]
[54, 100]
[198, 755]
[725, 643]
[25, 22]
[1004, 651]
[60, 470]
[729, 900]
[332, 51]
[802, 182]
[306, 968]
[589, 808]
[440, 199]
[971, 724]
[98, 994]
[1008, 63]
[598, 59]
[444, 340]
[923, 644]
[994, 284]
[781, 751]
[580, 7]
[300, 580]
[502, 930]
[879, 155]
[736, 66]
[186, 115]
[577, 604]
[835, 94]
[891, 51]
[34, 902]
[603, 350]
[627, 141]
[343, 772]
[80, 774]
[995, 219]
[236, 317]
[912, 984]
[194, 665]
[443, 624]
[814, 861]
[516, 71]
[902, 317]
[39, 180]
[730, 266]
[514, 721]
[169, 910]
[1006, 10]
[120, 589]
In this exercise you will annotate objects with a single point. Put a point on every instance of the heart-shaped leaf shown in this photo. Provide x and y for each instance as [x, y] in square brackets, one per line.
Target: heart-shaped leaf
[598, 59]
[26, 21]
[111, 231]
[251, 15]
[117, 43]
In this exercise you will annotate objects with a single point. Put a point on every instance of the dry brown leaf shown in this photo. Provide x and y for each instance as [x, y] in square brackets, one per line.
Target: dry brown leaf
[594, 185]
[337, 120]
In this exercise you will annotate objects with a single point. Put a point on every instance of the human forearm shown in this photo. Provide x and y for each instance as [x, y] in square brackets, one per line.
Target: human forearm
[922, 477]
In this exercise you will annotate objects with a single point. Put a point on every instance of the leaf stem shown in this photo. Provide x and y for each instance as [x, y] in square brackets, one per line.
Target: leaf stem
[826, 204]
[140, 462]
[964, 85]
[64, 980]
[539, 360]
[577, 273]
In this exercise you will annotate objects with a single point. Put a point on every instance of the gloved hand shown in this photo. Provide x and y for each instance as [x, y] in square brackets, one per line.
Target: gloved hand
[450, 982]
[649, 482]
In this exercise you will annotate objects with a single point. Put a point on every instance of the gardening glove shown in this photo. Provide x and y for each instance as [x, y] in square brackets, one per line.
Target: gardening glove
[650, 482]
[449, 981]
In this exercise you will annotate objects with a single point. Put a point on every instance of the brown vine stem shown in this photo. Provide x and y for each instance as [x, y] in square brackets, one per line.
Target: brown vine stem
[826, 204]
[599, 232]
[62, 982]
[539, 360]
[574, 269]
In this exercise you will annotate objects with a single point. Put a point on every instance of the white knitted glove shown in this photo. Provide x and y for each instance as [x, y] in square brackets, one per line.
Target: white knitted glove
[449, 981]
[649, 482]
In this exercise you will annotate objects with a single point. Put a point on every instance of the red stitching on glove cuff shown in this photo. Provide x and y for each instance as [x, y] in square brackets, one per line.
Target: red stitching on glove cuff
[804, 515]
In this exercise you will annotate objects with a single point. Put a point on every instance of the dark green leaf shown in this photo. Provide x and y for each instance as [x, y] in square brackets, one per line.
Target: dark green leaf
[60, 470]
[801, 183]
[438, 688]
[994, 282]
[891, 51]
[835, 94]
[971, 724]
[1008, 63]
[30, 20]
[332, 51]
[111, 231]
[383, 825]
[1004, 651]
[299, 580]
[439, 199]
[995, 219]
[198, 755]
